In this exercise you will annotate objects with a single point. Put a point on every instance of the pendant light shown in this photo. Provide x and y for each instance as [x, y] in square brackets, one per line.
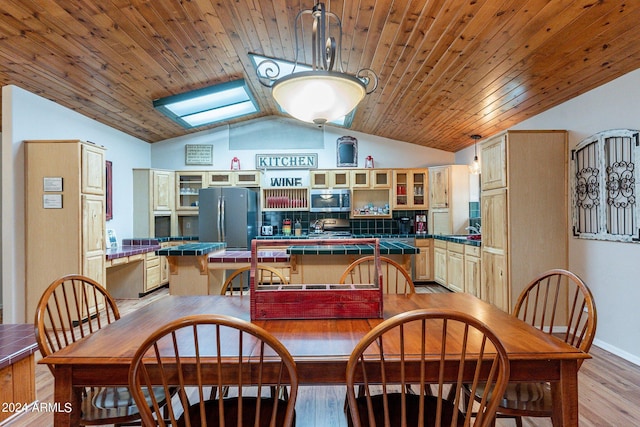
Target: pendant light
[474, 167]
[325, 92]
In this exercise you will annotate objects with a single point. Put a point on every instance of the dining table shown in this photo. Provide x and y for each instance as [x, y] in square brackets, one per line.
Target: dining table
[320, 347]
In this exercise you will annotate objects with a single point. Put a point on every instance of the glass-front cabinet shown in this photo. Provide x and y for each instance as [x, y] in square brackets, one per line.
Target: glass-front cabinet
[188, 185]
[410, 189]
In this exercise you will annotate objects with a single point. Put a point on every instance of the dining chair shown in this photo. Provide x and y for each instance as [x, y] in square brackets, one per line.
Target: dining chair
[396, 280]
[558, 303]
[423, 347]
[198, 351]
[71, 308]
[266, 275]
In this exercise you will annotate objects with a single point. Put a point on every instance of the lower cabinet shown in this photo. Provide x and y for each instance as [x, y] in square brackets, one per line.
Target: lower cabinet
[472, 270]
[455, 267]
[152, 272]
[424, 263]
[440, 262]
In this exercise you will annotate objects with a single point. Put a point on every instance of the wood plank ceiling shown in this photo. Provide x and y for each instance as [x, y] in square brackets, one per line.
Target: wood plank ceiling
[447, 68]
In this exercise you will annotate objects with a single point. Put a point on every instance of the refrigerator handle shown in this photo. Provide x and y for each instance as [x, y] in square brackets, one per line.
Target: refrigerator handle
[222, 221]
[218, 219]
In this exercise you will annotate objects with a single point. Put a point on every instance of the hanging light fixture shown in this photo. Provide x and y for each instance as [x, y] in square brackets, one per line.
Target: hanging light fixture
[474, 167]
[325, 92]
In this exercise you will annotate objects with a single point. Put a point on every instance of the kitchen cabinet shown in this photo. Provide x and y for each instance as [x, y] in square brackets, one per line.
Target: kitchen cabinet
[330, 178]
[380, 178]
[239, 178]
[472, 270]
[410, 189]
[370, 203]
[188, 185]
[64, 214]
[440, 262]
[424, 263]
[360, 178]
[448, 199]
[455, 266]
[154, 191]
[524, 211]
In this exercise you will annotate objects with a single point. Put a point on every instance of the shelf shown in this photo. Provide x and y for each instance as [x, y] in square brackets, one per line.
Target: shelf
[292, 199]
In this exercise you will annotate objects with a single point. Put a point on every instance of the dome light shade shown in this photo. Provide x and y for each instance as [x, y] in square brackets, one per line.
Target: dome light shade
[318, 96]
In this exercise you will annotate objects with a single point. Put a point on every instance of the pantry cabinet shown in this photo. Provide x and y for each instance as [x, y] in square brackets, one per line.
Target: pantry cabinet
[449, 199]
[64, 214]
[524, 211]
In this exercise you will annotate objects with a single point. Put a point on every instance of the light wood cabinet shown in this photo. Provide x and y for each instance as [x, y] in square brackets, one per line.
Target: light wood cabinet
[188, 185]
[440, 262]
[238, 178]
[370, 203]
[455, 267]
[449, 199]
[330, 178]
[380, 178]
[360, 178]
[65, 214]
[472, 270]
[424, 263]
[524, 211]
[219, 179]
[410, 189]
[154, 191]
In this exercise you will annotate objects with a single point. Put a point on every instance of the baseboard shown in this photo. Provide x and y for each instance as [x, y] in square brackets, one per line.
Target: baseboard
[618, 352]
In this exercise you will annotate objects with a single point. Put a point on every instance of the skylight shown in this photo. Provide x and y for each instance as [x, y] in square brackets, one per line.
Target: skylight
[209, 105]
[286, 68]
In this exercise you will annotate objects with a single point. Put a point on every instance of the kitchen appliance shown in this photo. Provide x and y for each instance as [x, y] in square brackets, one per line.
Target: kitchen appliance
[404, 225]
[421, 224]
[228, 214]
[267, 230]
[331, 228]
[330, 200]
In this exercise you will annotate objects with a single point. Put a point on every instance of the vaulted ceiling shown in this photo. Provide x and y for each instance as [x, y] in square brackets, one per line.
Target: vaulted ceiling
[447, 68]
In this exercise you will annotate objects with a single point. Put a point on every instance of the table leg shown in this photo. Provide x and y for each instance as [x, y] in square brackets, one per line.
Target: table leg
[565, 395]
[67, 399]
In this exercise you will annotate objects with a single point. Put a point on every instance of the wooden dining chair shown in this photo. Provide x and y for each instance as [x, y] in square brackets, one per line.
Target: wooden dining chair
[71, 308]
[266, 275]
[558, 303]
[423, 347]
[196, 352]
[396, 280]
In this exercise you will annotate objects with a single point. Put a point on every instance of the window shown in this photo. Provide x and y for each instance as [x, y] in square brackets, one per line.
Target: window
[604, 186]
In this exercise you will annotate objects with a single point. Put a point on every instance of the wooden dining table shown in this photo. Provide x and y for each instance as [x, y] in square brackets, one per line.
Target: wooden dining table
[320, 347]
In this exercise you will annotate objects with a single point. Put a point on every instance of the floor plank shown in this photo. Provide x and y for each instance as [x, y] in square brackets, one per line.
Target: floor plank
[608, 394]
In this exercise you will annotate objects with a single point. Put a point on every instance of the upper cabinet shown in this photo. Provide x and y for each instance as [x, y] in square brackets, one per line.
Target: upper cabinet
[330, 178]
[410, 189]
[188, 185]
[239, 178]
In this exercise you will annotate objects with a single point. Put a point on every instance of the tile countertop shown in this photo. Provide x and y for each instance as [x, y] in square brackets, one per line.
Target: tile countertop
[277, 255]
[450, 238]
[386, 248]
[192, 249]
[17, 341]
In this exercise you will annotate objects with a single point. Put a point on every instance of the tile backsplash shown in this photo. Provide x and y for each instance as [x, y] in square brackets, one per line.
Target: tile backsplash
[358, 226]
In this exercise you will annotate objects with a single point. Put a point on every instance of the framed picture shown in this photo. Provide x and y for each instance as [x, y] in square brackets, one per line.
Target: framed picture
[347, 152]
[108, 190]
[198, 154]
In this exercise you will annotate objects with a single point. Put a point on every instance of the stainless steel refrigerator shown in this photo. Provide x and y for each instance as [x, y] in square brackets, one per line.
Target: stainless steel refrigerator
[228, 214]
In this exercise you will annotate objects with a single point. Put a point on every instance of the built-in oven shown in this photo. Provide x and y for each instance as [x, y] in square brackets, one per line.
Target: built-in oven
[330, 200]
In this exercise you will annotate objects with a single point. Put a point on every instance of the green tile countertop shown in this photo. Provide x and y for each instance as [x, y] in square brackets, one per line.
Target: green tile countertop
[386, 248]
[192, 249]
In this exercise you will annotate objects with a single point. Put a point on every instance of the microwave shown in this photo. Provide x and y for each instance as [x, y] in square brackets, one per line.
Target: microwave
[330, 200]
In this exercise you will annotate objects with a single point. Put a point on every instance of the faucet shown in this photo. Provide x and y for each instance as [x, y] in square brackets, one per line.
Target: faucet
[474, 230]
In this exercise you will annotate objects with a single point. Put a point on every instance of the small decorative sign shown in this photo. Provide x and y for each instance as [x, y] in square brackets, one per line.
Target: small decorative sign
[52, 201]
[52, 183]
[198, 154]
[286, 161]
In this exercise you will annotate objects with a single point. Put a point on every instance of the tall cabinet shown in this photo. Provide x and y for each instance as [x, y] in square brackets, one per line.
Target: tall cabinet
[64, 214]
[448, 199]
[154, 203]
[524, 211]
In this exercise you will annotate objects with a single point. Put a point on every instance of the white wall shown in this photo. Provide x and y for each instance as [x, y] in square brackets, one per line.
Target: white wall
[610, 269]
[28, 116]
[387, 153]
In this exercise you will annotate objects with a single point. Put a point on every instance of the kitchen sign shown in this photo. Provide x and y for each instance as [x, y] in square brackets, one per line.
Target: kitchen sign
[286, 161]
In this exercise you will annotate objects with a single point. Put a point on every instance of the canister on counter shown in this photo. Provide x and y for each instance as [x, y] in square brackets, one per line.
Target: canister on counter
[286, 227]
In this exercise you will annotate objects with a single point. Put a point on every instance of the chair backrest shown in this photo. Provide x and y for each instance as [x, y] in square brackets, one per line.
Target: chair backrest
[419, 348]
[198, 352]
[396, 280]
[265, 275]
[71, 308]
[559, 302]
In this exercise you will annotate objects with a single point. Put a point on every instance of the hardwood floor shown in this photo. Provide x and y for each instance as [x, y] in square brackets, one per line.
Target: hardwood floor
[609, 390]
